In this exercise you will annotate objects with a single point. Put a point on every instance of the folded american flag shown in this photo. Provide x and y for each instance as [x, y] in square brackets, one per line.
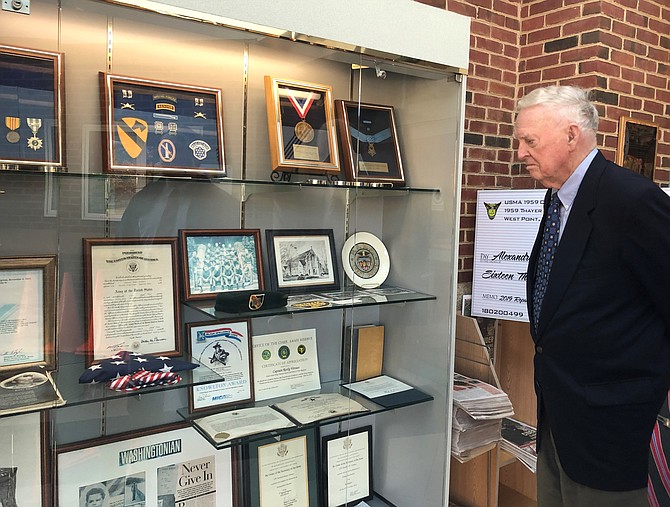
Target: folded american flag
[127, 363]
[141, 379]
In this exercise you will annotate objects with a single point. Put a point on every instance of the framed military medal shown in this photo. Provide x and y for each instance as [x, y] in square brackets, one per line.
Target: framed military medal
[301, 126]
[161, 128]
[31, 107]
[369, 143]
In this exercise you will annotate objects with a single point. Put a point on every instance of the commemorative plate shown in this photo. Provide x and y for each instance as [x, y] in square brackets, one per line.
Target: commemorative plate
[366, 260]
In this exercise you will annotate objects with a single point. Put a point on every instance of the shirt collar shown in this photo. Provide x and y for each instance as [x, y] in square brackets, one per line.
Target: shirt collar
[568, 190]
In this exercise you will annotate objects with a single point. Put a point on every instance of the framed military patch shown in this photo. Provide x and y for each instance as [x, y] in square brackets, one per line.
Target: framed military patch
[162, 128]
[31, 107]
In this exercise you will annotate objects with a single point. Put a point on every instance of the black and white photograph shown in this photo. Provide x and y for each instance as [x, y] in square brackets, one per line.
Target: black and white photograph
[302, 260]
[218, 261]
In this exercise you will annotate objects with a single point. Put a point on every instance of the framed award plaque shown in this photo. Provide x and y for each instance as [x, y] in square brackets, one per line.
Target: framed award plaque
[161, 128]
[31, 106]
[301, 126]
[369, 142]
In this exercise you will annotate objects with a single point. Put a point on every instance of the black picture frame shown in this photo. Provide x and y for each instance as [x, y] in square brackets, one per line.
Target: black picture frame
[161, 128]
[302, 260]
[32, 105]
[220, 260]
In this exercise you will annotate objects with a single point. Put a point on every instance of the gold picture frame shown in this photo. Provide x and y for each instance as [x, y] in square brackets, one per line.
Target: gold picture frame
[301, 127]
[637, 145]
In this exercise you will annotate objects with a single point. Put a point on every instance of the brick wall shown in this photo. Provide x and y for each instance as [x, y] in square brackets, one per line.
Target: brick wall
[618, 48]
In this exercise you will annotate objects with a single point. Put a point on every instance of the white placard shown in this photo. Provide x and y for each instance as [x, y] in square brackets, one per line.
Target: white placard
[506, 227]
[285, 363]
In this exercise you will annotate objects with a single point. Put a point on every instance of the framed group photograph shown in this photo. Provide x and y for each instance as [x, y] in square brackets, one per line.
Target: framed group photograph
[25, 460]
[347, 467]
[369, 143]
[220, 260]
[636, 149]
[302, 260]
[27, 314]
[132, 296]
[301, 126]
[225, 348]
[166, 467]
[31, 101]
[161, 128]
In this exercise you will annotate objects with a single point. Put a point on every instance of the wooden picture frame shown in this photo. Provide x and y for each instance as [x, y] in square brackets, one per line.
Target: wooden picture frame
[169, 465]
[160, 127]
[131, 297]
[220, 260]
[25, 460]
[346, 467]
[302, 260]
[301, 127]
[291, 455]
[29, 299]
[32, 104]
[369, 143]
[225, 347]
[637, 145]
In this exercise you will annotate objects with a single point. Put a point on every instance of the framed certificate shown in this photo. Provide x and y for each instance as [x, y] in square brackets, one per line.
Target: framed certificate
[166, 466]
[347, 467]
[31, 102]
[369, 141]
[636, 149]
[217, 261]
[27, 313]
[131, 296]
[282, 470]
[225, 347]
[25, 460]
[302, 260]
[301, 126]
[161, 127]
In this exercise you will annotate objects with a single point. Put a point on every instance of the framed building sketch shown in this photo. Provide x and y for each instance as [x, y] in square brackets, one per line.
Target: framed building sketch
[131, 296]
[301, 126]
[302, 260]
[31, 106]
[161, 128]
[25, 460]
[369, 143]
[636, 148]
[27, 313]
[225, 347]
[216, 261]
[166, 466]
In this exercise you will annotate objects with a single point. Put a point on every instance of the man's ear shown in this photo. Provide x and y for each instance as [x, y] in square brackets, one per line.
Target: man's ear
[573, 136]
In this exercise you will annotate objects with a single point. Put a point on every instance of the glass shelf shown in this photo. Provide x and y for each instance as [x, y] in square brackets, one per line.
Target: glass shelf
[350, 298]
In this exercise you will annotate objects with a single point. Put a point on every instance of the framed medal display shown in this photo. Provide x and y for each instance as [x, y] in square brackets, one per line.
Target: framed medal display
[369, 143]
[161, 128]
[301, 126]
[31, 107]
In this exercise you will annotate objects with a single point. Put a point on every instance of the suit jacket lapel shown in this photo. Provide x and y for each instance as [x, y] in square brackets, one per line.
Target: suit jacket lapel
[573, 241]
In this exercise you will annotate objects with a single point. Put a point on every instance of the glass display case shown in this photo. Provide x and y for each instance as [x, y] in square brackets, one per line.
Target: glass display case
[228, 252]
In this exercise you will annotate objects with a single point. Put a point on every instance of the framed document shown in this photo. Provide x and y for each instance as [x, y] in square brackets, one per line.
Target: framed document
[131, 296]
[369, 141]
[161, 127]
[31, 102]
[25, 460]
[217, 261]
[636, 148]
[167, 466]
[302, 260]
[282, 470]
[225, 347]
[301, 126]
[27, 313]
[347, 467]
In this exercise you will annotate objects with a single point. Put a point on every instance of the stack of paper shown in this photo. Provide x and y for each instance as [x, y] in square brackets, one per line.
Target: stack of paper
[519, 440]
[481, 400]
[470, 437]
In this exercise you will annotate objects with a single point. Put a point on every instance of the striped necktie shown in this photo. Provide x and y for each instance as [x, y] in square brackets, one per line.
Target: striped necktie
[546, 257]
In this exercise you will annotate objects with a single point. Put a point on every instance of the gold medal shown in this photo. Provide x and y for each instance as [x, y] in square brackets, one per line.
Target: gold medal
[371, 149]
[304, 131]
